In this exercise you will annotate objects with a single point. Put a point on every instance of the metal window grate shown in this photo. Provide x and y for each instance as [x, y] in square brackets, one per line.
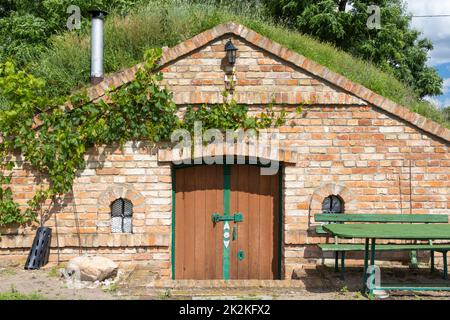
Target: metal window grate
[332, 204]
[121, 216]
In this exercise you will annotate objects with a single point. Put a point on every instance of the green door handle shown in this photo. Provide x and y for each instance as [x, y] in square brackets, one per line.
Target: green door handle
[237, 217]
[240, 255]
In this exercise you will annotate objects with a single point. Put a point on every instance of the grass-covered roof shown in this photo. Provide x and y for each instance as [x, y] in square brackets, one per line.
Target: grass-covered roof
[65, 66]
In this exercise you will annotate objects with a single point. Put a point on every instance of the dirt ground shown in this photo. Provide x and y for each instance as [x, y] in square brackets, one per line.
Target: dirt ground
[319, 284]
[46, 284]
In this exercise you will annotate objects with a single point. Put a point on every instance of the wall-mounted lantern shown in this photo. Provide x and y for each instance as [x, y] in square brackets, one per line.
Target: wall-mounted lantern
[231, 51]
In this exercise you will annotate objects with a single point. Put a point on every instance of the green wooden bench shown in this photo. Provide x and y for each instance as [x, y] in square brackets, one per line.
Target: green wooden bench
[342, 248]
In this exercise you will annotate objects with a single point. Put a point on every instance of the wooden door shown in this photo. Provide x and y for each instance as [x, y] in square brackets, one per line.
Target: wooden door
[257, 236]
[200, 249]
[198, 242]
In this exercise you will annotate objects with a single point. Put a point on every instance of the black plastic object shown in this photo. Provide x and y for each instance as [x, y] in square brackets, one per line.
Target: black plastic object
[40, 250]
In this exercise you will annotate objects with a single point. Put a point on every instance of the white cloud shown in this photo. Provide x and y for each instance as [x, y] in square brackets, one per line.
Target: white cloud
[438, 103]
[442, 101]
[437, 29]
[445, 98]
[446, 87]
[435, 102]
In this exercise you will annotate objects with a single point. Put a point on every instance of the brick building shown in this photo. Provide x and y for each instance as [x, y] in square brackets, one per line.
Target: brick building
[349, 150]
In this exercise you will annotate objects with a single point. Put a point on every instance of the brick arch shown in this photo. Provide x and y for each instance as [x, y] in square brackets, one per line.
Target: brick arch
[283, 154]
[125, 191]
[326, 190]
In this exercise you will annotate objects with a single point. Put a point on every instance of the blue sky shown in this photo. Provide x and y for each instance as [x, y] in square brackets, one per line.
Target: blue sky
[444, 71]
[436, 29]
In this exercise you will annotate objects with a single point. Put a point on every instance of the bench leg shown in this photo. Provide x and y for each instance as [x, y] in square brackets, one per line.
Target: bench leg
[445, 265]
[342, 265]
[432, 260]
[336, 261]
[366, 264]
[372, 253]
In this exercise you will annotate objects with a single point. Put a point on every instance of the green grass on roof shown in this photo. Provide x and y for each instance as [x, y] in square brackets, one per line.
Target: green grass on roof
[66, 64]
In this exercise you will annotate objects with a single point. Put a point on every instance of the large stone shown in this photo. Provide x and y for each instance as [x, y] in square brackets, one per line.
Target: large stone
[92, 268]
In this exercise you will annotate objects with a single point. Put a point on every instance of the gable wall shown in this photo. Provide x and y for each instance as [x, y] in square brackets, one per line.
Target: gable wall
[199, 77]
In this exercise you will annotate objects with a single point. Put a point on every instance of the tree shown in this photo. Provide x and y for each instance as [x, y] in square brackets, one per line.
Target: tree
[395, 47]
[26, 25]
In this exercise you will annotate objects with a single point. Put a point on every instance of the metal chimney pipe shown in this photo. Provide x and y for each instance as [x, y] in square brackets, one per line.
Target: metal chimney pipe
[98, 18]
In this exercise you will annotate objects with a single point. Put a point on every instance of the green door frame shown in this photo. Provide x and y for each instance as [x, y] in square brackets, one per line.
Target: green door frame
[226, 211]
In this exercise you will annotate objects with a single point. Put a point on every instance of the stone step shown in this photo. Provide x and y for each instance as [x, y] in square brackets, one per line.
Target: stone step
[216, 284]
[205, 293]
[142, 282]
[202, 289]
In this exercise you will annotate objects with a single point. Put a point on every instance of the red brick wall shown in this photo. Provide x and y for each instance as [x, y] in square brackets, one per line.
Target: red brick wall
[83, 218]
[358, 153]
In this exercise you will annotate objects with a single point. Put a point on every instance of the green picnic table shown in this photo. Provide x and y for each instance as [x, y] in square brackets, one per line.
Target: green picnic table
[373, 232]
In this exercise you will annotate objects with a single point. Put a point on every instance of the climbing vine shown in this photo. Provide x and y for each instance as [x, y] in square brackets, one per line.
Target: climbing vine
[231, 115]
[53, 140]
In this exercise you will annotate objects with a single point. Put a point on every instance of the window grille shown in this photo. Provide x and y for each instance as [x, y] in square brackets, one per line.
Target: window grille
[332, 204]
[121, 216]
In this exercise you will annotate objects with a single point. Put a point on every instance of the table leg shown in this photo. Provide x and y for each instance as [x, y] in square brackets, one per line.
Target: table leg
[445, 264]
[366, 264]
[336, 261]
[432, 260]
[342, 265]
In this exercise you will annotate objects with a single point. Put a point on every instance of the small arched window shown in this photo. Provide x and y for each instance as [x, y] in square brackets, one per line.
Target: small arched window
[121, 216]
[332, 204]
